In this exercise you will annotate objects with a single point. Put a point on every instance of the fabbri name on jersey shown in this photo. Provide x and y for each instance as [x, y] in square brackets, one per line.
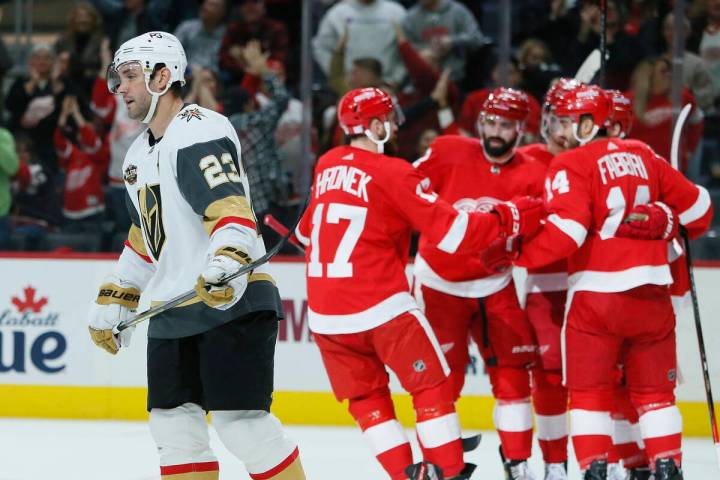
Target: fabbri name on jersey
[620, 164]
[348, 179]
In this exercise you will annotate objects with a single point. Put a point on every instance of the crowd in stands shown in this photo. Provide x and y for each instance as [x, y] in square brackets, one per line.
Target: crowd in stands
[65, 135]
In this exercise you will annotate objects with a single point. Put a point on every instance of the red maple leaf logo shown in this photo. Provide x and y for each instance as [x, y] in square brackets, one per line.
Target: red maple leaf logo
[29, 303]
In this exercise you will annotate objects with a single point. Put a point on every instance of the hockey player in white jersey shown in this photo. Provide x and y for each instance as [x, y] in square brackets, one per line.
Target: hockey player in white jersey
[193, 224]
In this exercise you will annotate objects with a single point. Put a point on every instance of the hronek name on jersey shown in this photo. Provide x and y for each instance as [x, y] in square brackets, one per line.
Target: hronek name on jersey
[348, 179]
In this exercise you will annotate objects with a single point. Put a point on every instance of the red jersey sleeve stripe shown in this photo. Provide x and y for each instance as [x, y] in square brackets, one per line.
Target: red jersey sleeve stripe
[144, 257]
[236, 220]
[571, 228]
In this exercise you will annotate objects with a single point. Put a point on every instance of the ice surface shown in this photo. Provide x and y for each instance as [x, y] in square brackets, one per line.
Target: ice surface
[100, 450]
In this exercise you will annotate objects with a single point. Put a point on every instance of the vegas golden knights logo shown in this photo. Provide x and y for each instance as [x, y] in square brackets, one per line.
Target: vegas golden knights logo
[151, 213]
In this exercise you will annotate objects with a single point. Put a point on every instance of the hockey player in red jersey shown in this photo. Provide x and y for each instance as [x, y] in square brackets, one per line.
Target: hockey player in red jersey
[546, 293]
[357, 228]
[619, 306]
[460, 297]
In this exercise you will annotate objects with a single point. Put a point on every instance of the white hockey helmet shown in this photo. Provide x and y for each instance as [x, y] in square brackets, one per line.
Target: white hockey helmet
[145, 52]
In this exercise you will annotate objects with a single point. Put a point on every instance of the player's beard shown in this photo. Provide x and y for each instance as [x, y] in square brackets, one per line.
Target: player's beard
[141, 108]
[501, 150]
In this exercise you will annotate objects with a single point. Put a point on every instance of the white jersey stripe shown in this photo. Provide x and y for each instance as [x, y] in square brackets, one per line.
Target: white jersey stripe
[433, 339]
[571, 228]
[455, 234]
[698, 209]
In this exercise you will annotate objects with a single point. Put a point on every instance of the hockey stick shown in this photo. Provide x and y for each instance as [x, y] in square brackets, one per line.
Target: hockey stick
[281, 229]
[589, 67]
[674, 159]
[603, 42]
[190, 294]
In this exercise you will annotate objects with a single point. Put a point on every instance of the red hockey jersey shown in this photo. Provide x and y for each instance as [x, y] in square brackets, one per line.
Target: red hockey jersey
[588, 191]
[357, 228]
[462, 176]
[553, 277]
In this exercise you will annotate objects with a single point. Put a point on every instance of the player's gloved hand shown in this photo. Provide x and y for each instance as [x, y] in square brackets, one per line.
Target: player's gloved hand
[520, 216]
[116, 300]
[500, 254]
[211, 286]
[652, 221]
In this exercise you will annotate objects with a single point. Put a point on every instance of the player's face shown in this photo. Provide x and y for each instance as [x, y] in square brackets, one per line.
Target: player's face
[614, 130]
[560, 132]
[128, 80]
[499, 135]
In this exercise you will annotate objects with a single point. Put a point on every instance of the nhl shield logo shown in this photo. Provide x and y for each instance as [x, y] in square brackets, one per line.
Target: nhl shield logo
[130, 175]
[419, 366]
[672, 375]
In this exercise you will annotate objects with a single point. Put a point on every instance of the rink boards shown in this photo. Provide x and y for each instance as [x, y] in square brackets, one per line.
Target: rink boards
[49, 368]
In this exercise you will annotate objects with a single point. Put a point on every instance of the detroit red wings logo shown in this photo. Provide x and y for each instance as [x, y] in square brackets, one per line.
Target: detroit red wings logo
[29, 302]
[191, 113]
[482, 204]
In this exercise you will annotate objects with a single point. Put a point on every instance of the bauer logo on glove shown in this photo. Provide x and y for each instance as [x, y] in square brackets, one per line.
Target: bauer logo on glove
[116, 300]
[211, 285]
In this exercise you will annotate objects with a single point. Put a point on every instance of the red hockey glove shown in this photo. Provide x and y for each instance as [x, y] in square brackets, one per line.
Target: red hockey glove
[520, 216]
[653, 221]
[500, 254]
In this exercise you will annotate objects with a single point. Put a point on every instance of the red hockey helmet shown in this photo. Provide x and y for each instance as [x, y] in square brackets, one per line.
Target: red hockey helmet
[507, 103]
[558, 89]
[359, 107]
[584, 100]
[621, 111]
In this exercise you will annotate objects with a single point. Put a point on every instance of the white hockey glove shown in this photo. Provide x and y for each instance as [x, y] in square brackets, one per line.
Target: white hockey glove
[225, 262]
[116, 300]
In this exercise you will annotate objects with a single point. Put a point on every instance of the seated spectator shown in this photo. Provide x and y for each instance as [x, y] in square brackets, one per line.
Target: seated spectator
[253, 25]
[31, 102]
[652, 81]
[370, 31]
[447, 30]
[259, 152]
[8, 168]
[695, 73]
[84, 157]
[35, 200]
[202, 36]
[82, 40]
[122, 131]
[536, 67]
[709, 44]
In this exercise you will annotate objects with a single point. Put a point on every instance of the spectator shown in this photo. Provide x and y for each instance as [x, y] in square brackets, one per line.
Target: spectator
[84, 158]
[365, 72]
[254, 25]
[36, 200]
[624, 51]
[31, 102]
[710, 43]
[536, 67]
[446, 30]
[370, 29]
[8, 168]
[653, 123]
[122, 130]
[131, 18]
[202, 36]
[259, 155]
[695, 73]
[206, 89]
[82, 40]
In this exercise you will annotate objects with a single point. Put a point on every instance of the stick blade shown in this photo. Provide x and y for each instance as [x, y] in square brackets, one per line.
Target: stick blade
[589, 67]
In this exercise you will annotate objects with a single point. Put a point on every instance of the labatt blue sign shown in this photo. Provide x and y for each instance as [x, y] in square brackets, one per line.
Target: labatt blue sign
[28, 338]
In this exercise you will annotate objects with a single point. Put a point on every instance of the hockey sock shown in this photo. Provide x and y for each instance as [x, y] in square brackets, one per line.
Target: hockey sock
[627, 441]
[660, 425]
[375, 416]
[438, 429]
[191, 471]
[513, 411]
[550, 400]
[591, 425]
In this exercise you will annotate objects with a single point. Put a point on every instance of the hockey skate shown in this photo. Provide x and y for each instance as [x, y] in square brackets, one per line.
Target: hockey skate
[424, 471]
[556, 471]
[471, 443]
[665, 469]
[615, 471]
[641, 473]
[598, 471]
[516, 469]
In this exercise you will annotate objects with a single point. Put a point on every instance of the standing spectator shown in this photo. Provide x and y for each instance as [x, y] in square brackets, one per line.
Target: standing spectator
[447, 29]
[537, 67]
[254, 25]
[710, 43]
[32, 104]
[82, 41]
[8, 168]
[133, 17]
[206, 89]
[260, 156]
[84, 157]
[653, 124]
[695, 73]
[202, 36]
[370, 29]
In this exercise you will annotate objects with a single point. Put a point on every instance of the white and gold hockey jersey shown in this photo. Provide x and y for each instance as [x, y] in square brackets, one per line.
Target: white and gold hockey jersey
[188, 196]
